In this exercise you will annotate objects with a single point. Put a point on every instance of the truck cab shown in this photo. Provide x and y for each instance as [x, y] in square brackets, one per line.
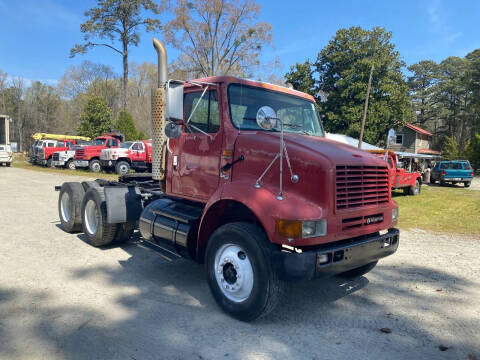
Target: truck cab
[131, 155]
[39, 149]
[89, 156]
[45, 154]
[244, 181]
[64, 158]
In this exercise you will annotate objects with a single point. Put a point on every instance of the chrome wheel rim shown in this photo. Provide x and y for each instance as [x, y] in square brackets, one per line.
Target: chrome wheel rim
[96, 167]
[234, 272]
[71, 165]
[91, 217]
[65, 208]
[123, 169]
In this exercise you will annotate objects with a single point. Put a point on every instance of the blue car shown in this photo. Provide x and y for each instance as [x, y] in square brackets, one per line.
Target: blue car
[455, 171]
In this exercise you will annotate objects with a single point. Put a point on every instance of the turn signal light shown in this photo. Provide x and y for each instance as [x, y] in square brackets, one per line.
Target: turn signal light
[289, 228]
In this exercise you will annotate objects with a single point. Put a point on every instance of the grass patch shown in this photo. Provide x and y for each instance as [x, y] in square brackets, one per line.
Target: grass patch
[450, 209]
[21, 162]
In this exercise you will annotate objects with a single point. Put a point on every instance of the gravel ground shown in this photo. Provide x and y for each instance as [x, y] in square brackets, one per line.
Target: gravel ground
[63, 299]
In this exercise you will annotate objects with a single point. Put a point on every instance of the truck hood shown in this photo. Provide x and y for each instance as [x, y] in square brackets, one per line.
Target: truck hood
[315, 160]
[113, 154]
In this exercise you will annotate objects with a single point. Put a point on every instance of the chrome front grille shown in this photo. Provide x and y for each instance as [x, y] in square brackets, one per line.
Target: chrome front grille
[359, 186]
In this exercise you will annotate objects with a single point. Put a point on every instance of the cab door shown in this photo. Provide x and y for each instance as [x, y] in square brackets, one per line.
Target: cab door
[196, 153]
[137, 152]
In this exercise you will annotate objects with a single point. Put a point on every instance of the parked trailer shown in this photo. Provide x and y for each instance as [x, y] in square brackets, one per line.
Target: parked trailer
[247, 184]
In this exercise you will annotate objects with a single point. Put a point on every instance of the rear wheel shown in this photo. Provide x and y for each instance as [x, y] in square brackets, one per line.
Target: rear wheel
[122, 167]
[94, 218]
[70, 165]
[466, 184]
[94, 165]
[69, 206]
[357, 272]
[240, 273]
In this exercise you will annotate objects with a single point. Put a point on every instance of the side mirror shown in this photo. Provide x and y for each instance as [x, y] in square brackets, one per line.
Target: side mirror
[266, 118]
[172, 130]
[174, 101]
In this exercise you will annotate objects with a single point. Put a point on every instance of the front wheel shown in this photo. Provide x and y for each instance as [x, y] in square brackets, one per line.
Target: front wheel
[49, 163]
[466, 184]
[415, 189]
[240, 273]
[122, 168]
[95, 166]
[70, 165]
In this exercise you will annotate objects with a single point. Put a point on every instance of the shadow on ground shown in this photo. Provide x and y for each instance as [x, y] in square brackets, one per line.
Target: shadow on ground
[169, 313]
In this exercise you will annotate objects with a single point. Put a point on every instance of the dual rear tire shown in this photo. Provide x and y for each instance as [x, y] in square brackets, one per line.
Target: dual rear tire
[82, 207]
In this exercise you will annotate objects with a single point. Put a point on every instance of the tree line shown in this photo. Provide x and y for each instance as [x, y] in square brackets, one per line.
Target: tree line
[224, 37]
[443, 98]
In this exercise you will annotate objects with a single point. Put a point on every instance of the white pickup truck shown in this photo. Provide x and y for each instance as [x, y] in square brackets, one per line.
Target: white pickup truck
[65, 158]
[6, 155]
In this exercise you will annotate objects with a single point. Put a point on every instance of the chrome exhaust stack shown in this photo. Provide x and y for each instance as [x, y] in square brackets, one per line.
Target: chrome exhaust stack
[158, 114]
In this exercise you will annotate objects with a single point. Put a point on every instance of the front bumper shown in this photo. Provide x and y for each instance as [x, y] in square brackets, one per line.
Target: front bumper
[457, 179]
[81, 163]
[58, 163]
[341, 257]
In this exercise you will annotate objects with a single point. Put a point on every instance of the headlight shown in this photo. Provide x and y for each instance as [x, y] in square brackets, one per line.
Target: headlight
[302, 229]
[394, 214]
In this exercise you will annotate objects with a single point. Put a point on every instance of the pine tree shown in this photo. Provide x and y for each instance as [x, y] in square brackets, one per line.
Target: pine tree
[96, 118]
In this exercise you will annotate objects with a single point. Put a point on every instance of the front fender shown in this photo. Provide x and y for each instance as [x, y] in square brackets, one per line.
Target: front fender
[265, 206]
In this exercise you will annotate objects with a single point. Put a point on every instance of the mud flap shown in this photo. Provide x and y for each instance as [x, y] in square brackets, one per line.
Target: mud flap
[124, 204]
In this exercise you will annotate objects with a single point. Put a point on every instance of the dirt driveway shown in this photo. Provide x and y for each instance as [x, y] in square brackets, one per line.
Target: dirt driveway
[63, 299]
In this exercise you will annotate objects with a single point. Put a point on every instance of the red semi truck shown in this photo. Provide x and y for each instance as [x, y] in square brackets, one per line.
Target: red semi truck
[136, 155]
[89, 156]
[244, 181]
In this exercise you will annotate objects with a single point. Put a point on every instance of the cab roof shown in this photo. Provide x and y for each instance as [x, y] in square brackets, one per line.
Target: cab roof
[232, 79]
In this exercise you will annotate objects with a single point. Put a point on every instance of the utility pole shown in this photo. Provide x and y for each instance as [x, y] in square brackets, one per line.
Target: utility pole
[365, 108]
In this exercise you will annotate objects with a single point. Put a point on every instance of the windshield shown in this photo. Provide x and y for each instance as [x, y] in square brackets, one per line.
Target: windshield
[298, 115]
[126, 145]
[99, 142]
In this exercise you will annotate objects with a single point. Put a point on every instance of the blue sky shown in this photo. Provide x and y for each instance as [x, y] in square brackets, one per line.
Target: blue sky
[36, 35]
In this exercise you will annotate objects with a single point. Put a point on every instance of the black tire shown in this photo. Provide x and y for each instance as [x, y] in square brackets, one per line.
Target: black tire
[94, 218]
[122, 167]
[49, 163]
[416, 189]
[442, 183]
[94, 165]
[70, 212]
[266, 289]
[8, 165]
[466, 183]
[89, 184]
[432, 180]
[357, 272]
[124, 231]
[70, 165]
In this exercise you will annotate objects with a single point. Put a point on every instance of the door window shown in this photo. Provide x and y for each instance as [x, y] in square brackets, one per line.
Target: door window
[206, 116]
[137, 146]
